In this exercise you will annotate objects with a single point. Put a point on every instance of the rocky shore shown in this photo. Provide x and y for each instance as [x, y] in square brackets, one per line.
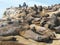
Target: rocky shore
[36, 25]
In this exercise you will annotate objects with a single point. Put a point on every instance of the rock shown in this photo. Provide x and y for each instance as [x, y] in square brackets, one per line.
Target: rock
[31, 24]
[10, 43]
[9, 38]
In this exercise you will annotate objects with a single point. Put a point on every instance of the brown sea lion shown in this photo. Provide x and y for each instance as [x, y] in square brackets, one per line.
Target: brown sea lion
[45, 33]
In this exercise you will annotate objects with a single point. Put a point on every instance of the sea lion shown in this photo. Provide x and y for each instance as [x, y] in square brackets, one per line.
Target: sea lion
[45, 33]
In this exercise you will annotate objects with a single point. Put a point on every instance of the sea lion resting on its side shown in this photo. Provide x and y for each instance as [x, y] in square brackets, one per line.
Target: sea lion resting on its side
[46, 34]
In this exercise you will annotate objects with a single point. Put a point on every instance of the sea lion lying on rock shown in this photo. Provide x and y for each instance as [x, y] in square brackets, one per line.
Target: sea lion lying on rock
[6, 31]
[57, 29]
[53, 22]
[26, 32]
[29, 34]
[46, 34]
[13, 30]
